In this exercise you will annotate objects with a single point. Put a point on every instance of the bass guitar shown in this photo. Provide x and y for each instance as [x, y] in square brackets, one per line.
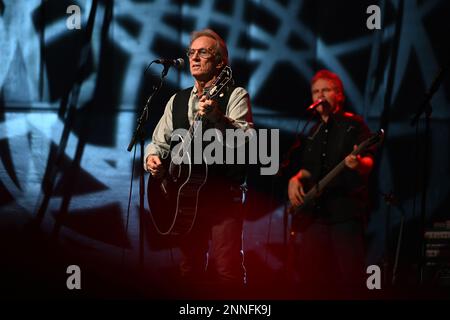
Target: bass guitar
[309, 200]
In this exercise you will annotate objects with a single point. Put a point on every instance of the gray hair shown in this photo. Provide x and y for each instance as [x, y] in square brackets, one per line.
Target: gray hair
[221, 48]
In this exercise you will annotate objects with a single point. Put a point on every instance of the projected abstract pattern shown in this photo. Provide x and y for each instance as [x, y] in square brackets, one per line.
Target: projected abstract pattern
[274, 45]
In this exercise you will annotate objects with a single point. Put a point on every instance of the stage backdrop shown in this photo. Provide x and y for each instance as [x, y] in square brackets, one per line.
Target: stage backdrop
[70, 95]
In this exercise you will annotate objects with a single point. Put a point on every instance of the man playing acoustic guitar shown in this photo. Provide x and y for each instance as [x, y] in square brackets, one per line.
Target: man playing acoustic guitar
[218, 220]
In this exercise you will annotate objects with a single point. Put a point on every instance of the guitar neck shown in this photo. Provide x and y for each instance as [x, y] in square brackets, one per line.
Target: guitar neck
[193, 127]
[330, 176]
[211, 93]
[324, 182]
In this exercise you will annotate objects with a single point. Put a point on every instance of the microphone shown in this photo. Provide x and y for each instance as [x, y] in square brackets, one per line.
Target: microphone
[177, 63]
[317, 103]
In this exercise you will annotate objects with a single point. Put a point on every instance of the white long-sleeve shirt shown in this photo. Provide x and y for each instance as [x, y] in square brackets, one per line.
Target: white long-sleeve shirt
[237, 111]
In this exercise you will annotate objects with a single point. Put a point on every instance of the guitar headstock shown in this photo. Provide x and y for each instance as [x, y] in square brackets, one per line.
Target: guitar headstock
[223, 79]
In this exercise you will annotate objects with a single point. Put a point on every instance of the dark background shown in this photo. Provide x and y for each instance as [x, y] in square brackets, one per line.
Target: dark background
[69, 100]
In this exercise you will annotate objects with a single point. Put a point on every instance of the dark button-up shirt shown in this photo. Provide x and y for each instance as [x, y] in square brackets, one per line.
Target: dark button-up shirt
[326, 145]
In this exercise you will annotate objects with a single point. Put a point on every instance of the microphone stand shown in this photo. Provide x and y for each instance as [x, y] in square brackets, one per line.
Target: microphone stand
[388, 199]
[399, 243]
[139, 135]
[425, 107]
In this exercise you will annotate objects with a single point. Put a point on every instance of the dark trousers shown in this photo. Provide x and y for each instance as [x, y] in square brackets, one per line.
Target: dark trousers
[330, 255]
[216, 236]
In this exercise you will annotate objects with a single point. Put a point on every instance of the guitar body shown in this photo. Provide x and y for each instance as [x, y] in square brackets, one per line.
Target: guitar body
[303, 215]
[173, 200]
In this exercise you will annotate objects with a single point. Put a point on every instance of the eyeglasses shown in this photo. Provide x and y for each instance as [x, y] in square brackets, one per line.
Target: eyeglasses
[202, 53]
